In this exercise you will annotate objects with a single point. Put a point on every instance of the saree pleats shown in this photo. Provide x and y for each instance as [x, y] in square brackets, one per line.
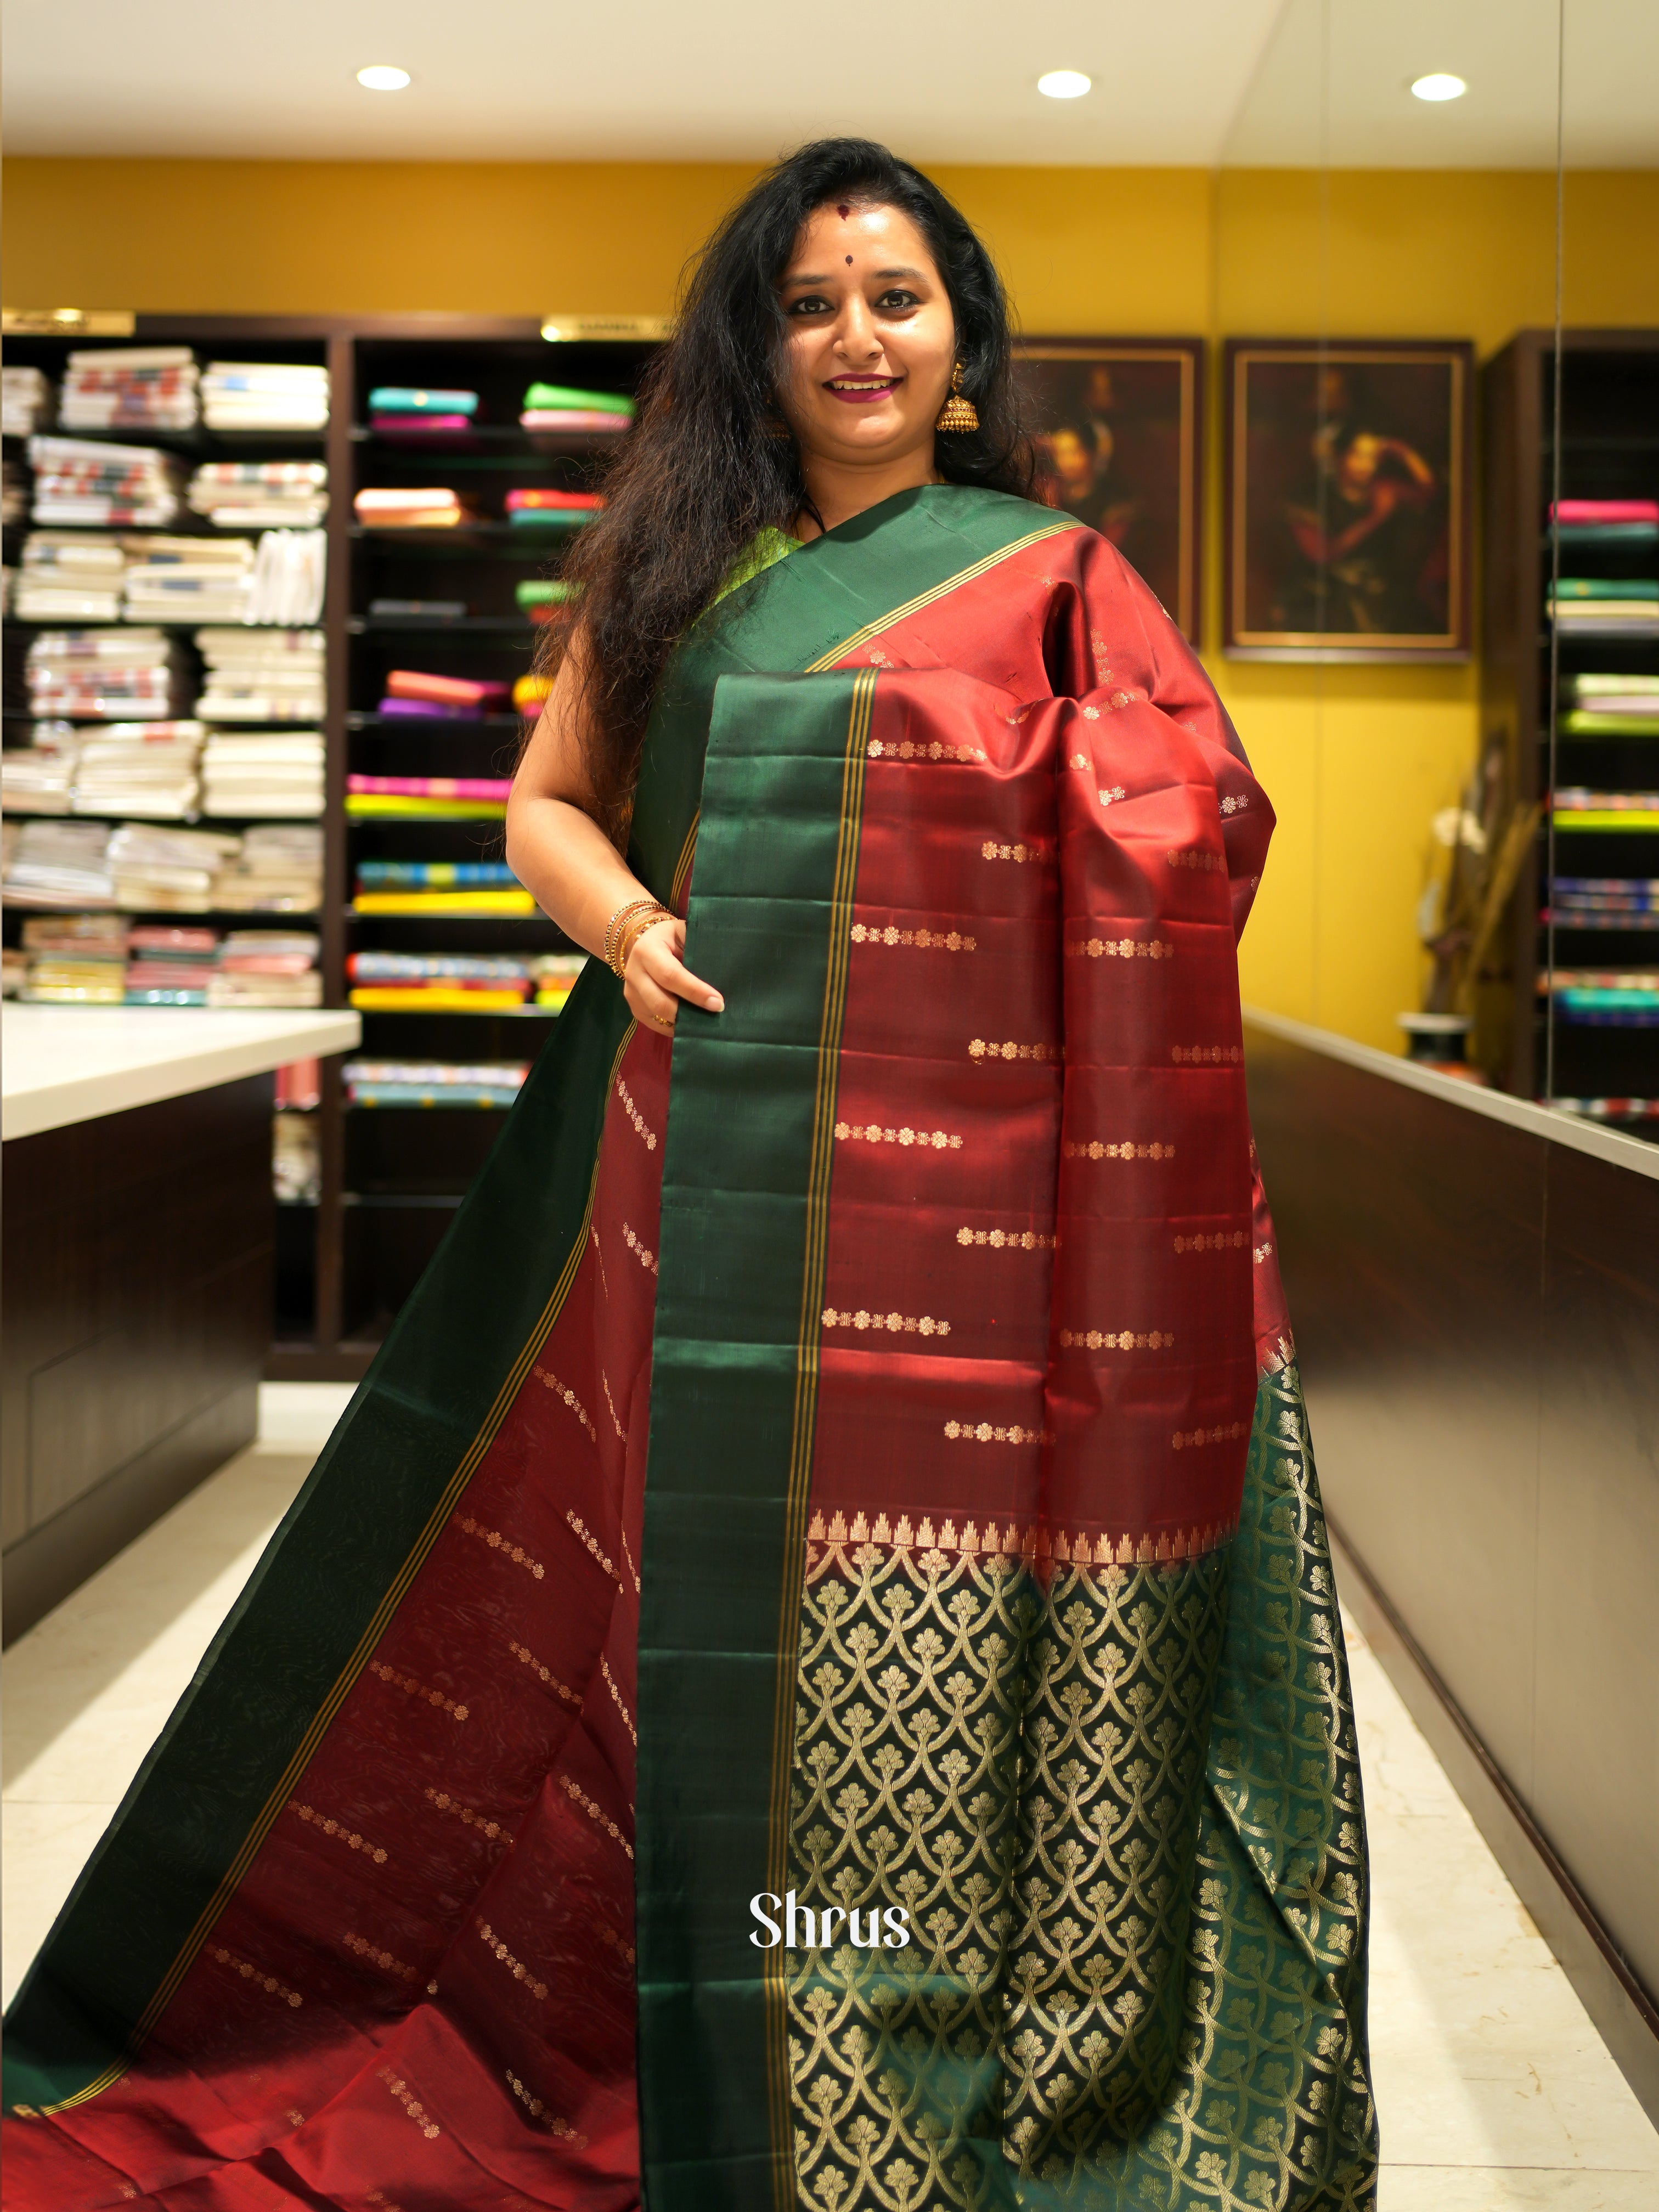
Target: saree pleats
[845, 1474]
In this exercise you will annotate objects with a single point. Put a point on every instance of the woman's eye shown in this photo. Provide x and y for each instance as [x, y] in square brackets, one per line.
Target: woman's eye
[898, 302]
[810, 303]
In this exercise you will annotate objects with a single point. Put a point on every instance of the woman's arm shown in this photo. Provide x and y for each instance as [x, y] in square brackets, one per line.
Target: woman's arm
[563, 858]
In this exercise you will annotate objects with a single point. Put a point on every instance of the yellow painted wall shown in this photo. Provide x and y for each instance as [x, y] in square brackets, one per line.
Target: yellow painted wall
[1355, 759]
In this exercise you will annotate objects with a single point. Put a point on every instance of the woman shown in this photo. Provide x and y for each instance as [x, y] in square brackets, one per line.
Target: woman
[808, 1672]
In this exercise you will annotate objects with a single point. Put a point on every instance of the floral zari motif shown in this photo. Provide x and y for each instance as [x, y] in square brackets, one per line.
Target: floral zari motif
[1122, 1987]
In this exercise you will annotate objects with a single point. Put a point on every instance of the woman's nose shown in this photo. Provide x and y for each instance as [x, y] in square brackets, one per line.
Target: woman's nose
[856, 334]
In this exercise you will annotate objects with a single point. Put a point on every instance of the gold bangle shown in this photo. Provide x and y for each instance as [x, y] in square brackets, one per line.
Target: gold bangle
[614, 927]
[632, 934]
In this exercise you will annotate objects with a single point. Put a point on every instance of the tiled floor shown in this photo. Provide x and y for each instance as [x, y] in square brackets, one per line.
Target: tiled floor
[1495, 2092]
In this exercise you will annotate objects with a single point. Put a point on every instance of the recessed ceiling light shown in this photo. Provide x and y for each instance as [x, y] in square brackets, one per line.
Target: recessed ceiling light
[1439, 86]
[1064, 84]
[382, 77]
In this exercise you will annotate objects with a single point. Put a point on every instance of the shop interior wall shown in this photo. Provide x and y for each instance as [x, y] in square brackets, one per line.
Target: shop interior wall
[1357, 759]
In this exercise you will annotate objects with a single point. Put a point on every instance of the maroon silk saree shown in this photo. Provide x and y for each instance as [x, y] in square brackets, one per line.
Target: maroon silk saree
[808, 1674]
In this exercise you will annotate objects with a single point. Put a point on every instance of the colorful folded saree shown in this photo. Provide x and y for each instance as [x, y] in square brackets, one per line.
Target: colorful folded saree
[809, 1673]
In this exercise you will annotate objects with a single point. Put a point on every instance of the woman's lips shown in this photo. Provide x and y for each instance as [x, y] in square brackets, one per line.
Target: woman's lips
[865, 392]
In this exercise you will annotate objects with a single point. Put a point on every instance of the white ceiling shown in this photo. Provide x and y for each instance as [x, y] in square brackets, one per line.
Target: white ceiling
[1186, 82]
[1334, 83]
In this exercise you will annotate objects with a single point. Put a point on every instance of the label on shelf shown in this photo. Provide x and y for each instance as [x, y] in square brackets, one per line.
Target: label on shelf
[649, 330]
[67, 322]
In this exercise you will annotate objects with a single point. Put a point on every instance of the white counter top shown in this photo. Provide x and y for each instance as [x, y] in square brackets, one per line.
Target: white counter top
[63, 1064]
[1556, 1127]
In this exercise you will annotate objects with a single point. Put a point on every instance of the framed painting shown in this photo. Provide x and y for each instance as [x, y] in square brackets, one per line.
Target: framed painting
[1347, 513]
[1118, 425]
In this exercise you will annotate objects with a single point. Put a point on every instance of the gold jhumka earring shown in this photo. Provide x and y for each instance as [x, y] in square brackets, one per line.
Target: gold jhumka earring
[957, 413]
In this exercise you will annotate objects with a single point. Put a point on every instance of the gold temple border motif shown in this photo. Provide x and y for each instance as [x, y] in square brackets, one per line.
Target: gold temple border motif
[1036, 1546]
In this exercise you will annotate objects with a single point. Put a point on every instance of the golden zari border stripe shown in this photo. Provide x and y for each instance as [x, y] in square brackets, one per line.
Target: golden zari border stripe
[806, 1388]
[939, 592]
[184, 1958]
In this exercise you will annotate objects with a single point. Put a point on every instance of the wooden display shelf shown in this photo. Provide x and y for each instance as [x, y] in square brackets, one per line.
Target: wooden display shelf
[364, 1259]
[1609, 379]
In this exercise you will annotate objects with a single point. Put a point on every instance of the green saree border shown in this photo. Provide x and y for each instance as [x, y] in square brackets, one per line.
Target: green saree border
[806, 1386]
[741, 1246]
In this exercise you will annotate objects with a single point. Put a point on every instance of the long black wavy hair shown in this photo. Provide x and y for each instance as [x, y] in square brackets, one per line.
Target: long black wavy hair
[705, 466]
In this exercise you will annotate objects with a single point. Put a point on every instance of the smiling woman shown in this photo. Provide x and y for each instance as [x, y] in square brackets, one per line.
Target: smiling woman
[848, 1450]
[728, 447]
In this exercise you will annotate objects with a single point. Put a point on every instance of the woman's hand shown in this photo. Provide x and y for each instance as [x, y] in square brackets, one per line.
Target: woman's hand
[654, 981]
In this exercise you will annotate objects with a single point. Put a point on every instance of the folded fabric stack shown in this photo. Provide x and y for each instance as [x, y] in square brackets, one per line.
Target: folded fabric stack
[553, 408]
[167, 871]
[1606, 606]
[1609, 1110]
[147, 768]
[402, 410]
[103, 675]
[289, 574]
[266, 968]
[544, 599]
[1592, 998]
[75, 960]
[1604, 902]
[25, 402]
[277, 869]
[228, 580]
[455, 982]
[414, 694]
[536, 509]
[296, 1156]
[453, 798]
[169, 967]
[59, 864]
[189, 579]
[82, 480]
[556, 977]
[258, 395]
[1608, 707]
[530, 695]
[70, 576]
[409, 507]
[260, 495]
[416, 887]
[1607, 521]
[1625, 811]
[279, 773]
[39, 779]
[439, 982]
[129, 388]
[300, 1084]
[433, 1081]
[273, 676]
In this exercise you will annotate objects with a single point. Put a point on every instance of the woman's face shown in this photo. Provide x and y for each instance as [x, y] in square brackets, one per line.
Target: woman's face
[870, 337]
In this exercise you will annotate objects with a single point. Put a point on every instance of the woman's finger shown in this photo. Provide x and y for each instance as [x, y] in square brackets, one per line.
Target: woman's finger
[656, 954]
[648, 1002]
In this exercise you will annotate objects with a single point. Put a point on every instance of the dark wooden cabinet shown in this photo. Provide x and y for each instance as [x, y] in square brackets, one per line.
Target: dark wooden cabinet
[135, 1324]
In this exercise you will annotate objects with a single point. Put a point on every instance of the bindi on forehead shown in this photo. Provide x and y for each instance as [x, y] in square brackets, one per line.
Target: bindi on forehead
[844, 211]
